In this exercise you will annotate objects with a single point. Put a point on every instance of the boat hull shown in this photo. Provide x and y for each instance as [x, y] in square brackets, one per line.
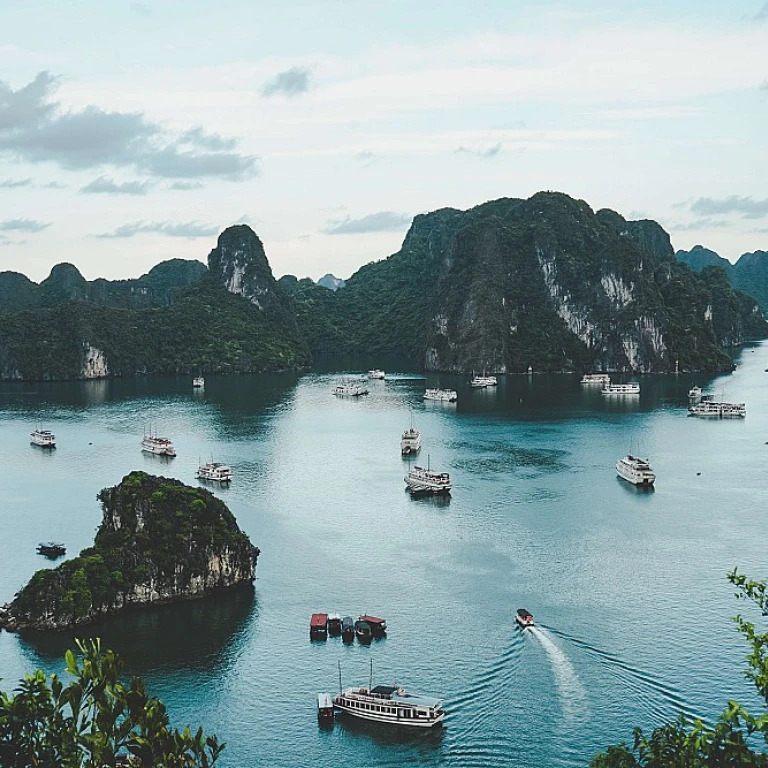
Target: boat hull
[379, 717]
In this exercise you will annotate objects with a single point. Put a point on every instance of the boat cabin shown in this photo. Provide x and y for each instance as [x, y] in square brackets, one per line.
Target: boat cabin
[324, 709]
[378, 626]
[334, 625]
[348, 629]
[363, 631]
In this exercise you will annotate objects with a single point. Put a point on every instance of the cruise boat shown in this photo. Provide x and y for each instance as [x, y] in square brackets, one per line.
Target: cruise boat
[596, 378]
[694, 394]
[420, 480]
[376, 374]
[51, 549]
[215, 471]
[635, 471]
[709, 409]
[633, 388]
[43, 437]
[334, 625]
[318, 626]
[390, 704]
[325, 711]
[410, 442]
[349, 390]
[524, 618]
[443, 395]
[480, 382]
[198, 382]
[161, 446]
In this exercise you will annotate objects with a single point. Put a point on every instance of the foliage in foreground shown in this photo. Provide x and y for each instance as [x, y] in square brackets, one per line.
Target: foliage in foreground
[692, 744]
[86, 723]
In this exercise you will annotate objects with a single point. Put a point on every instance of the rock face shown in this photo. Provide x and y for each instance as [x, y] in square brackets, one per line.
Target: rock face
[544, 282]
[331, 282]
[159, 541]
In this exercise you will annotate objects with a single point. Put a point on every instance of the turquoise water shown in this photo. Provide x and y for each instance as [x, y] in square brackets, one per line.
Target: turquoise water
[628, 588]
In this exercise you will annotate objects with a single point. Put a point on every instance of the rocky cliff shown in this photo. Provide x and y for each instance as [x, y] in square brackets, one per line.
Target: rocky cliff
[544, 282]
[159, 541]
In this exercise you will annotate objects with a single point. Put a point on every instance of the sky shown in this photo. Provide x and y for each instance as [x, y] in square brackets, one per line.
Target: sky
[132, 132]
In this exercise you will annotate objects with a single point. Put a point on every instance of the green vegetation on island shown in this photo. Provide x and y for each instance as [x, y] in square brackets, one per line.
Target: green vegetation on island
[94, 720]
[735, 738]
[159, 541]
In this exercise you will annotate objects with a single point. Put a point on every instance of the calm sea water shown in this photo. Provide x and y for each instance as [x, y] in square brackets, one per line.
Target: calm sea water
[628, 588]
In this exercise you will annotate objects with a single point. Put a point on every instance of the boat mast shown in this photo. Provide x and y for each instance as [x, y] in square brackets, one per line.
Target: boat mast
[370, 679]
[339, 675]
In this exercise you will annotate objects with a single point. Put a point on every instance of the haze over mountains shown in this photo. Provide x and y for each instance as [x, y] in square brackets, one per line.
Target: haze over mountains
[544, 282]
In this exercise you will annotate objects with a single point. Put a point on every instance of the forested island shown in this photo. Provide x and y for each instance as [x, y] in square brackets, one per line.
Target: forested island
[545, 283]
[159, 541]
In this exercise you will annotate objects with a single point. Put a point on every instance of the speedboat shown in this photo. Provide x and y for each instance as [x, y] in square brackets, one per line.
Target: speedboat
[524, 618]
[390, 704]
[635, 471]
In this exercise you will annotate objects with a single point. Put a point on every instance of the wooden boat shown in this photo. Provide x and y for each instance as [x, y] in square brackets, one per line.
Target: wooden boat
[51, 549]
[363, 631]
[334, 625]
[348, 629]
[318, 626]
[378, 626]
[324, 709]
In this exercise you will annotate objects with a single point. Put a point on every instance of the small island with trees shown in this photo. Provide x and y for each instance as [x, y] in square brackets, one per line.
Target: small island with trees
[159, 541]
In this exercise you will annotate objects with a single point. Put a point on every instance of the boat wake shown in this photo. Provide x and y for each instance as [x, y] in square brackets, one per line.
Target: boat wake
[572, 694]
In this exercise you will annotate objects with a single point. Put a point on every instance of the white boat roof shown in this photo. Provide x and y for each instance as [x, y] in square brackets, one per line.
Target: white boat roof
[417, 701]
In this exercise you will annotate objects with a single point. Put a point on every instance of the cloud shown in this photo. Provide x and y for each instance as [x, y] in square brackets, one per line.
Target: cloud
[697, 224]
[168, 228]
[140, 9]
[55, 185]
[747, 207]
[481, 151]
[292, 82]
[14, 183]
[383, 221]
[106, 186]
[34, 128]
[762, 14]
[186, 185]
[23, 225]
[366, 159]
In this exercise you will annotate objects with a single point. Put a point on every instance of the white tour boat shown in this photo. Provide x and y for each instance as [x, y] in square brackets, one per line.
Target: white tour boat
[43, 437]
[160, 446]
[198, 382]
[709, 409]
[635, 471]
[215, 471]
[480, 382]
[633, 388]
[596, 378]
[390, 704]
[443, 395]
[349, 390]
[376, 374]
[410, 442]
[420, 480]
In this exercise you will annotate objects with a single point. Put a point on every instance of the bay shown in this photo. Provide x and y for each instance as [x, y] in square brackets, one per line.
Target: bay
[628, 588]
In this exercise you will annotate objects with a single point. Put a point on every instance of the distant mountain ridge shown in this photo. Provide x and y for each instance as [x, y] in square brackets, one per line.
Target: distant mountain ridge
[331, 282]
[749, 274]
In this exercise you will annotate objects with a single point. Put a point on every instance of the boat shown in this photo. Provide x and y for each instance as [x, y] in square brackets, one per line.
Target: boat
[390, 704]
[334, 624]
[349, 390]
[376, 373]
[318, 626]
[198, 382]
[363, 631]
[524, 618]
[596, 378]
[709, 409]
[348, 629]
[636, 471]
[694, 394]
[420, 480]
[51, 549]
[43, 437]
[215, 471]
[633, 388]
[410, 442]
[378, 626]
[160, 446]
[443, 395]
[480, 382]
[325, 711]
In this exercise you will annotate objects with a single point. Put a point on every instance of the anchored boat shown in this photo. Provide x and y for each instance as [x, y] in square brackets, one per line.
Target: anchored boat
[43, 437]
[596, 378]
[442, 395]
[348, 629]
[325, 710]
[376, 373]
[391, 704]
[633, 388]
[198, 382]
[51, 549]
[215, 472]
[712, 410]
[410, 442]
[318, 626]
[636, 471]
[334, 625]
[481, 382]
[160, 446]
[349, 390]
[424, 481]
